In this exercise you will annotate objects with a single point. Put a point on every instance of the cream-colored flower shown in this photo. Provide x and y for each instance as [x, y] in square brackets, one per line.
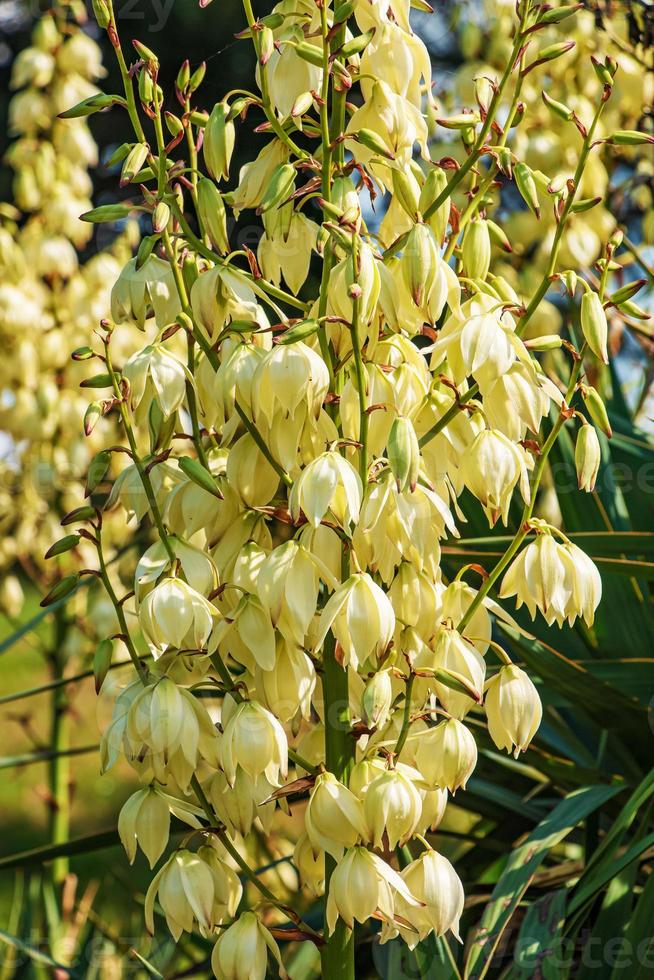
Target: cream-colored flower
[361, 618]
[557, 578]
[513, 709]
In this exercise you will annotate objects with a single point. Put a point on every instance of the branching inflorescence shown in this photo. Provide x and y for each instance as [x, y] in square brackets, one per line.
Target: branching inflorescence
[300, 446]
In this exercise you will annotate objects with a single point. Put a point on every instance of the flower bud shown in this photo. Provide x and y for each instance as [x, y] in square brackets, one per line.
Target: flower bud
[404, 454]
[596, 409]
[392, 807]
[218, 144]
[134, 162]
[407, 191]
[476, 250]
[213, 214]
[101, 13]
[435, 185]
[594, 325]
[334, 817]
[588, 456]
[254, 740]
[160, 217]
[526, 185]
[280, 186]
[513, 709]
[310, 866]
[241, 952]
[144, 820]
[377, 699]
[447, 755]
[420, 260]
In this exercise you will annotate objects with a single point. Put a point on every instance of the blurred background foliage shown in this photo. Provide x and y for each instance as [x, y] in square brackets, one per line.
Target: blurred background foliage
[555, 849]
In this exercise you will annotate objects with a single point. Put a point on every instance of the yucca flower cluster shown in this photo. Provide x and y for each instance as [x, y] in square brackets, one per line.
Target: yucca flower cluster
[306, 428]
[50, 303]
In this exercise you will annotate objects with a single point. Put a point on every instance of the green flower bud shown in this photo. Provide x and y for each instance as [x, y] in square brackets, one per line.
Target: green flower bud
[596, 409]
[594, 325]
[404, 454]
[526, 185]
[219, 135]
[476, 250]
[213, 214]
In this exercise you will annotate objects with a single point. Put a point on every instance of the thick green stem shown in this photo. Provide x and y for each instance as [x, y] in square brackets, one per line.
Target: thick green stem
[338, 952]
[59, 742]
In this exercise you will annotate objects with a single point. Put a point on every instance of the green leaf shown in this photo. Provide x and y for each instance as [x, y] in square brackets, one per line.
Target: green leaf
[521, 867]
[589, 886]
[38, 956]
[538, 947]
[638, 937]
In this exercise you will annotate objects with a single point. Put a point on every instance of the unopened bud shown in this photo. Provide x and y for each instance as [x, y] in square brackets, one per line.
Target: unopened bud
[630, 137]
[435, 185]
[266, 45]
[197, 77]
[377, 699]
[526, 185]
[183, 76]
[309, 52]
[407, 191]
[596, 409]
[174, 124]
[602, 71]
[146, 86]
[594, 324]
[558, 108]
[160, 217]
[213, 214]
[92, 415]
[134, 162]
[280, 186]
[370, 139]
[404, 454]
[145, 53]
[219, 135]
[101, 13]
[635, 311]
[420, 262]
[302, 104]
[588, 455]
[462, 121]
[476, 250]
[546, 342]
